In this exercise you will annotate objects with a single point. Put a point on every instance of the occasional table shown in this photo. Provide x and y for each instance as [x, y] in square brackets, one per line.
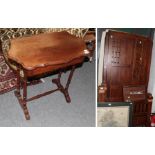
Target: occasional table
[45, 53]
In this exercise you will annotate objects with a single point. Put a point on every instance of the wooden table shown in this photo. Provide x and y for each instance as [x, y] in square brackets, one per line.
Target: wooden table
[45, 53]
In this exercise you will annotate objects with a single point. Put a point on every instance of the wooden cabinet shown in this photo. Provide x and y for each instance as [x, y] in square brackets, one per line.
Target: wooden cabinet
[127, 61]
[133, 93]
[126, 64]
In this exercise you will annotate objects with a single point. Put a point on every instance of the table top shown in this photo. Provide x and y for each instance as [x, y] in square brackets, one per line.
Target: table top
[46, 49]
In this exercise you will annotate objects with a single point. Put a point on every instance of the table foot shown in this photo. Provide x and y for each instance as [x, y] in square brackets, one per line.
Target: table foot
[26, 113]
[62, 89]
[23, 105]
[67, 97]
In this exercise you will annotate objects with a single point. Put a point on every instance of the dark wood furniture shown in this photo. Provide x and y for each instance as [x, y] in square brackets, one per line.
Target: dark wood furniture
[45, 53]
[102, 93]
[127, 64]
[132, 93]
[142, 104]
[90, 41]
[8, 79]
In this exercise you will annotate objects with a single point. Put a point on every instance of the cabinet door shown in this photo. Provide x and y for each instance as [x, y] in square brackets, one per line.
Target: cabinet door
[119, 64]
[141, 62]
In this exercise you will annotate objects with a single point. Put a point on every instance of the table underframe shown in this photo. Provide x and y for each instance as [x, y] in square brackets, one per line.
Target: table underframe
[22, 83]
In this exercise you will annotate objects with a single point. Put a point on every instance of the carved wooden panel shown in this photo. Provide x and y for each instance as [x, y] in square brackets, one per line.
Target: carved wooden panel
[116, 50]
[121, 51]
[139, 66]
[127, 59]
[119, 66]
[127, 63]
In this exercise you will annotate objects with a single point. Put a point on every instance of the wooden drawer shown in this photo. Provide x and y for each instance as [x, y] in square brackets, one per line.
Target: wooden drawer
[134, 93]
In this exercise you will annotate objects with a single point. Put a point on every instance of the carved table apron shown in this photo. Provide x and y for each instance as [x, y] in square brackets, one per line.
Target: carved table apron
[44, 53]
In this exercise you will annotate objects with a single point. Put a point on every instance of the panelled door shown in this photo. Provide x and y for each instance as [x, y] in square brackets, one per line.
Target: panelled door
[125, 61]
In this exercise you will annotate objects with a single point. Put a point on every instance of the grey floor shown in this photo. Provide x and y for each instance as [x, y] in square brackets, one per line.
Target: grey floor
[52, 110]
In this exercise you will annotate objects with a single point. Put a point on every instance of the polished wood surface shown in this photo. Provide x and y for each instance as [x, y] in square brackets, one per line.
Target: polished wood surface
[132, 93]
[127, 60]
[37, 55]
[102, 93]
[46, 49]
[127, 65]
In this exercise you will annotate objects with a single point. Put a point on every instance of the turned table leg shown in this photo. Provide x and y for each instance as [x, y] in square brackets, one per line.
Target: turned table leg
[22, 83]
[26, 112]
[22, 100]
[17, 92]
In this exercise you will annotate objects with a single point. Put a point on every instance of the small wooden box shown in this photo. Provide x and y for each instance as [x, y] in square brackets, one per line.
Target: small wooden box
[131, 93]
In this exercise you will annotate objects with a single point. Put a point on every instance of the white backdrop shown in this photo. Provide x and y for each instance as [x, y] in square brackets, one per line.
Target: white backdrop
[151, 86]
[69, 13]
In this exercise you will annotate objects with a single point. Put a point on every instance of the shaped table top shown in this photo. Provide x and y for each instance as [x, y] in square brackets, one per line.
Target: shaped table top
[46, 49]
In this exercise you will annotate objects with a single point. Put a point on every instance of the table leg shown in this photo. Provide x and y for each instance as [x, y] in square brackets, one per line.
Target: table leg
[24, 89]
[66, 93]
[22, 83]
[17, 92]
[61, 87]
[69, 78]
[22, 100]
[25, 109]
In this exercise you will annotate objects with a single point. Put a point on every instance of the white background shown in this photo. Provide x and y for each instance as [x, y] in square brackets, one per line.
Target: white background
[151, 86]
[71, 13]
